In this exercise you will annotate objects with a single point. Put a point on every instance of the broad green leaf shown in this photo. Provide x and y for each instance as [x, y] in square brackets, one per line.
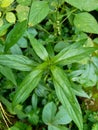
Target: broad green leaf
[18, 62]
[77, 4]
[62, 117]
[39, 10]
[50, 117]
[38, 48]
[27, 86]
[10, 17]
[86, 22]
[87, 5]
[52, 127]
[66, 95]
[15, 34]
[7, 72]
[72, 55]
[49, 112]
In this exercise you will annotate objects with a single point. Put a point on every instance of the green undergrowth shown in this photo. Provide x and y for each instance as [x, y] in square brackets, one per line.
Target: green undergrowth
[48, 65]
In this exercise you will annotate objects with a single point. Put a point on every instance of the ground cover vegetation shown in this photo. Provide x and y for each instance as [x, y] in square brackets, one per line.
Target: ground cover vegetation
[48, 65]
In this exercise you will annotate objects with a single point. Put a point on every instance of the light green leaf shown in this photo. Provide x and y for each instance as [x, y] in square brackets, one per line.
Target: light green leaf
[15, 34]
[71, 55]
[18, 62]
[38, 48]
[1, 22]
[87, 5]
[90, 5]
[6, 3]
[49, 112]
[62, 117]
[23, 43]
[79, 91]
[15, 49]
[3, 28]
[7, 72]
[95, 62]
[88, 78]
[22, 12]
[39, 10]
[10, 17]
[34, 101]
[27, 86]
[77, 4]
[95, 126]
[24, 2]
[52, 127]
[86, 22]
[66, 95]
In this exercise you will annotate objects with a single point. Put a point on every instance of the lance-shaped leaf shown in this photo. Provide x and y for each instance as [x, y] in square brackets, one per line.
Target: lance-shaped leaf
[39, 10]
[66, 95]
[7, 72]
[72, 55]
[18, 62]
[15, 34]
[27, 86]
[38, 48]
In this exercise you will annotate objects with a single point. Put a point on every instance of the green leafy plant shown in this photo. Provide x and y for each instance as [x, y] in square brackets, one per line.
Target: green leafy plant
[47, 59]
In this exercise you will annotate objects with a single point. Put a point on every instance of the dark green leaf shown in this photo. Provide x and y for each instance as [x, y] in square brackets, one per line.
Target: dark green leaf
[39, 10]
[66, 96]
[15, 34]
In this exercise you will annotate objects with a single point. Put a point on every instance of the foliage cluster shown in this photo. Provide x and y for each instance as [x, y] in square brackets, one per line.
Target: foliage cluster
[48, 64]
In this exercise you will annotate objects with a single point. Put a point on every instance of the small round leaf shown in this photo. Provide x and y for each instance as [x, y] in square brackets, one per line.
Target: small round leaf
[10, 17]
